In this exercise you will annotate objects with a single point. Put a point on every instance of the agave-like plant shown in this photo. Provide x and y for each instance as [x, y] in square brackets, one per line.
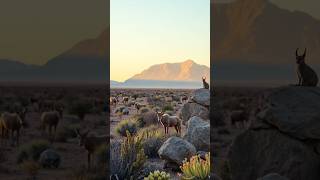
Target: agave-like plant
[196, 168]
[157, 175]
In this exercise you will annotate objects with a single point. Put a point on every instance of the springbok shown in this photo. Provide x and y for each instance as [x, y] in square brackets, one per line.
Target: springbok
[306, 75]
[90, 143]
[169, 121]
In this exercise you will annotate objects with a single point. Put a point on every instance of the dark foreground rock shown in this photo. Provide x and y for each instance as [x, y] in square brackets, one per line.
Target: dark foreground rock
[284, 138]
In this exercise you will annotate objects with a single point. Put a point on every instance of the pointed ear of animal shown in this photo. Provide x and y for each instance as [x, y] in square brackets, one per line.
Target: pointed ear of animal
[305, 52]
[297, 52]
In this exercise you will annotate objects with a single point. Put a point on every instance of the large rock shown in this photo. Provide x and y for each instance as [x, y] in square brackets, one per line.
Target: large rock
[50, 159]
[193, 109]
[295, 111]
[256, 153]
[273, 176]
[198, 133]
[176, 150]
[201, 96]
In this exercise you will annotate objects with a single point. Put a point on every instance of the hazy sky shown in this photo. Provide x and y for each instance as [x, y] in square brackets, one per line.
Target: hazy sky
[148, 32]
[33, 31]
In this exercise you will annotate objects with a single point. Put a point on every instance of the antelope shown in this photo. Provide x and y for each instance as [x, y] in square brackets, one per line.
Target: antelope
[90, 143]
[125, 100]
[138, 106]
[306, 75]
[114, 100]
[51, 119]
[10, 123]
[205, 84]
[169, 121]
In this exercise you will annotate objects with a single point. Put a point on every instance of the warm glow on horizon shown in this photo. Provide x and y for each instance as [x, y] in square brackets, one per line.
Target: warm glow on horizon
[148, 32]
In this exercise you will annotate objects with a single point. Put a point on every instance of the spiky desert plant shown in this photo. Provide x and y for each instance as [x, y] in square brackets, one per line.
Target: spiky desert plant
[196, 168]
[31, 168]
[127, 125]
[157, 175]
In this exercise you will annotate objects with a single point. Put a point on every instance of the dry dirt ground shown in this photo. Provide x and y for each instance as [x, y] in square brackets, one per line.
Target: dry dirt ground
[143, 94]
[73, 157]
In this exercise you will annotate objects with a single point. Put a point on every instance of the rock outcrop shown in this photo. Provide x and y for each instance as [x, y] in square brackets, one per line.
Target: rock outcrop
[198, 133]
[283, 139]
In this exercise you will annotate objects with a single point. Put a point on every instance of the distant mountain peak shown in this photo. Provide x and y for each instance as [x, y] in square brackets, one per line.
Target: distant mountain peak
[184, 71]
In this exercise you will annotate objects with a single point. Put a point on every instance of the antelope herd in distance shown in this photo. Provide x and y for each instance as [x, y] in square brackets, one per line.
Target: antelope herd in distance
[52, 114]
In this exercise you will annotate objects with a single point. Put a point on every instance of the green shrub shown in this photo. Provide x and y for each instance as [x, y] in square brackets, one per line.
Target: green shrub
[80, 108]
[157, 175]
[127, 159]
[127, 125]
[144, 110]
[153, 139]
[32, 150]
[196, 168]
[167, 107]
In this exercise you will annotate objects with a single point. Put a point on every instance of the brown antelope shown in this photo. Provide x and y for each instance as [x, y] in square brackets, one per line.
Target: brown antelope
[169, 121]
[10, 123]
[138, 106]
[125, 100]
[51, 120]
[90, 143]
[205, 84]
[306, 75]
[114, 100]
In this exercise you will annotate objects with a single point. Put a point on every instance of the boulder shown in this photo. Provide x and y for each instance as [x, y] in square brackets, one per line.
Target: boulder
[176, 150]
[255, 153]
[273, 176]
[201, 96]
[294, 111]
[193, 109]
[198, 133]
[50, 159]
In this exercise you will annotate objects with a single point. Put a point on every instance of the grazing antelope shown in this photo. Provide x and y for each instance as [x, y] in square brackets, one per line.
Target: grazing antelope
[205, 84]
[51, 119]
[138, 106]
[169, 121]
[306, 75]
[114, 100]
[125, 100]
[10, 123]
[90, 143]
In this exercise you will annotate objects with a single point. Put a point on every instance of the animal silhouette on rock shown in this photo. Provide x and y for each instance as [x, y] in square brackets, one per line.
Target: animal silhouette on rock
[306, 75]
[205, 84]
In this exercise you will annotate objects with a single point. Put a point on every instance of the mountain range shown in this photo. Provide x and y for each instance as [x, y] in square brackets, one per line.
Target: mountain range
[256, 40]
[85, 61]
[186, 74]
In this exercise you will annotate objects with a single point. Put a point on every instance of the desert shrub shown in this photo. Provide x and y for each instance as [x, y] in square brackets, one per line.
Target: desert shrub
[67, 132]
[157, 175]
[196, 168]
[80, 108]
[152, 139]
[127, 159]
[144, 110]
[32, 150]
[167, 107]
[101, 155]
[127, 125]
[223, 170]
[147, 119]
[31, 168]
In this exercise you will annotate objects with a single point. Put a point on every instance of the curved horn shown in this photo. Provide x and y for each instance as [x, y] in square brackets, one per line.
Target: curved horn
[297, 52]
[305, 52]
